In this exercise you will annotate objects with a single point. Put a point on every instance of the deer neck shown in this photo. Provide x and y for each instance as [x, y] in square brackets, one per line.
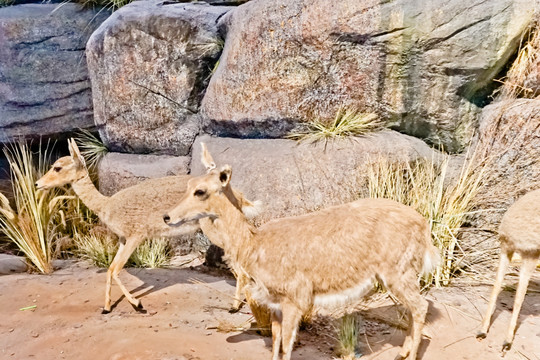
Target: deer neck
[230, 230]
[89, 194]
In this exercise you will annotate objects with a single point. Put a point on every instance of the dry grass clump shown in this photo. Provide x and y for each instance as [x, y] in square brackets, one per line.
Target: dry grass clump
[348, 122]
[28, 223]
[101, 247]
[209, 46]
[348, 330]
[424, 186]
[515, 82]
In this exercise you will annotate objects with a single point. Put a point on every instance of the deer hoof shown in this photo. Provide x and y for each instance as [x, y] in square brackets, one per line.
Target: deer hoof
[481, 335]
[234, 310]
[139, 308]
[105, 311]
[506, 346]
[399, 357]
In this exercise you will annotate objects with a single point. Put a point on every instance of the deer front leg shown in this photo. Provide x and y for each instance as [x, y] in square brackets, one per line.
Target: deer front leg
[107, 306]
[241, 282]
[120, 259]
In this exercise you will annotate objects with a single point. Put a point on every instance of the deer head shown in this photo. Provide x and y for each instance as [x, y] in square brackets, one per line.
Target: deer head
[196, 202]
[65, 170]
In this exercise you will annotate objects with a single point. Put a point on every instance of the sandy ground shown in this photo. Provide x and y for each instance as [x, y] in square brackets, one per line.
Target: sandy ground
[181, 317]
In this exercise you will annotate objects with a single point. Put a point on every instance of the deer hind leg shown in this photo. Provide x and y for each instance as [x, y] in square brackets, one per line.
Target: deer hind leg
[276, 318]
[525, 273]
[407, 291]
[291, 319]
[503, 265]
[120, 259]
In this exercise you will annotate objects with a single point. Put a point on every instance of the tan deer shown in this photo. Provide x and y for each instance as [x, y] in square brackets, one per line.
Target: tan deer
[134, 213]
[327, 259]
[519, 232]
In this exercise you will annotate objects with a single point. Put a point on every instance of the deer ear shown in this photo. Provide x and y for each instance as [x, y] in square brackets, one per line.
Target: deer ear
[225, 175]
[206, 158]
[72, 152]
[75, 152]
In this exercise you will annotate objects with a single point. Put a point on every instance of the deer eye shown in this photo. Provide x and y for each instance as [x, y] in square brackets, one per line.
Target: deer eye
[199, 192]
[57, 168]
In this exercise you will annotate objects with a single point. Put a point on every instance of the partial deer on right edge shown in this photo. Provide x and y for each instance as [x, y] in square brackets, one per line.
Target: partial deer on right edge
[324, 260]
[519, 233]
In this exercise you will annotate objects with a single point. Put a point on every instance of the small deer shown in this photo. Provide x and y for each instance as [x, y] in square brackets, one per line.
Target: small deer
[134, 213]
[326, 259]
[519, 232]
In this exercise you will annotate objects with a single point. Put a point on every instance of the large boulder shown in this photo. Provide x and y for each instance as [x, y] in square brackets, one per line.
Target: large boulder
[10, 264]
[424, 66]
[44, 85]
[149, 64]
[509, 137]
[292, 178]
[118, 171]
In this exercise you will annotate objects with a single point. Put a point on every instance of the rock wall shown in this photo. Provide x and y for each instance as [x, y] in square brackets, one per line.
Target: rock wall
[167, 76]
[44, 85]
[426, 67]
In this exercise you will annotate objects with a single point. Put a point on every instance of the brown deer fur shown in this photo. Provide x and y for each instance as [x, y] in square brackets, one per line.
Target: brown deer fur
[326, 259]
[134, 213]
[519, 232]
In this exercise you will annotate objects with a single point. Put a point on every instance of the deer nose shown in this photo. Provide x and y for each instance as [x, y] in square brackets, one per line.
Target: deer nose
[166, 218]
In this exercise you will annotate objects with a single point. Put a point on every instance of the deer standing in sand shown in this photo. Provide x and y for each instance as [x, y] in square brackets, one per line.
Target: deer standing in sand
[519, 232]
[134, 213]
[327, 259]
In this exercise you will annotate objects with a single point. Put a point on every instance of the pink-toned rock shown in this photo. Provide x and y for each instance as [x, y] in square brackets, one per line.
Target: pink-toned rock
[118, 171]
[510, 133]
[149, 64]
[425, 67]
[292, 178]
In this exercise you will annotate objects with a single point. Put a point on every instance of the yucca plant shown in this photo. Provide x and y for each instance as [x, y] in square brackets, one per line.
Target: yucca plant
[92, 148]
[111, 5]
[153, 253]
[99, 249]
[27, 225]
[4, 3]
[423, 186]
[348, 122]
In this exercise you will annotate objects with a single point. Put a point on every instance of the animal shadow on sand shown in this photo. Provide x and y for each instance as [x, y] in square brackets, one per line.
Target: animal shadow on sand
[154, 280]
